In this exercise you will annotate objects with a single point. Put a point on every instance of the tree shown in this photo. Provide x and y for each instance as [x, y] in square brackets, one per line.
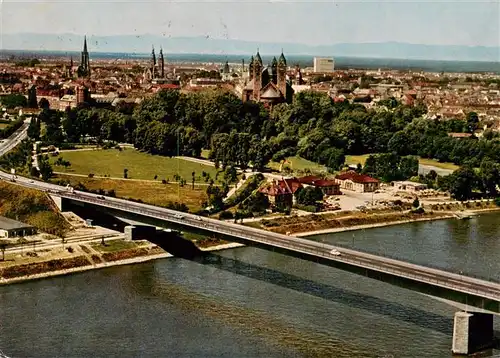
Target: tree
[472, 121]
[125, 173]
[309, 195]
[216, 197]
[193, 178]
[32, 101]
[408, 167]
[462, 182]
[416, 203]
[45, 168]
[12, 101]
[44, 103]
[489, 175]
[336, 159]
[34, 129]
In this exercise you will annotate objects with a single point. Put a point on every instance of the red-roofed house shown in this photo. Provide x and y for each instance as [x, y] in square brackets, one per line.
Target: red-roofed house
[357, 182]
[280, 193]
[329, 187]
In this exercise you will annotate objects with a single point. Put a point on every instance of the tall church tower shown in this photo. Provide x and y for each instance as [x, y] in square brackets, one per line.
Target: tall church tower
[162, 64]
[250, 69]
[153, 63]
[257, 77]
[84, 68]
[281, 78]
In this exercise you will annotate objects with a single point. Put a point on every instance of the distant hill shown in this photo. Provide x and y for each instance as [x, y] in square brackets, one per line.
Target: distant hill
[203, 45]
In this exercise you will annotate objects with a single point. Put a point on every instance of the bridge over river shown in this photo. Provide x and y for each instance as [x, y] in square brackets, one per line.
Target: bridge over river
[474, 292]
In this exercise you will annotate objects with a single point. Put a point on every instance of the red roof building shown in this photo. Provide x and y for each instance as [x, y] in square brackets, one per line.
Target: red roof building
[329, 187]
[357, 182]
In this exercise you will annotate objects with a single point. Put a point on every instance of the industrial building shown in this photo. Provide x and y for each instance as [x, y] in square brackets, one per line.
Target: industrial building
[324, 65]
[11, 228]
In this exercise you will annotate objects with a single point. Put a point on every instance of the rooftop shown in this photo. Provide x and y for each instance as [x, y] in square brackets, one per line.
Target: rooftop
[9, 224]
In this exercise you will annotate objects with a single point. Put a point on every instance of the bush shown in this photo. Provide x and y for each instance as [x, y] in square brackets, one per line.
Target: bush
[418, 211]
[497, 201]
[226, 215]
[309, 208]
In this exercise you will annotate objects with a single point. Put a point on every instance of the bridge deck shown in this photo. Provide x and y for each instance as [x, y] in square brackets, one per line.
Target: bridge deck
[459, 283]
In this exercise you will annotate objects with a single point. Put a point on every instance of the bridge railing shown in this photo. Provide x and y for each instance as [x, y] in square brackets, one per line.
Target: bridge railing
[288, 244]
[413, 261]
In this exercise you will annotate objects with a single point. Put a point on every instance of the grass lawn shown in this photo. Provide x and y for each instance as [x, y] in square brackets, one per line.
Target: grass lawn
[114, 245]
[3, 125]
[154, 193]
[205, 153]
[298, 163]
[437, 164]
[140, 165]
[355, 159]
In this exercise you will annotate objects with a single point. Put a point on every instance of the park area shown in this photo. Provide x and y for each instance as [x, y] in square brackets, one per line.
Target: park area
[150, 192]
[112, 162]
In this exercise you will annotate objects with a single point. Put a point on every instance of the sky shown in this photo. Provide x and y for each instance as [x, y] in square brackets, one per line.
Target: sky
[438, 22]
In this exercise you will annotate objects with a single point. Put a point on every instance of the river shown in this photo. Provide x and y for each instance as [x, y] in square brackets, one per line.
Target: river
[247, 302]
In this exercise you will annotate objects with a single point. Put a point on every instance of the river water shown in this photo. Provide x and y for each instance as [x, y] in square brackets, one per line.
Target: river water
[247, 302]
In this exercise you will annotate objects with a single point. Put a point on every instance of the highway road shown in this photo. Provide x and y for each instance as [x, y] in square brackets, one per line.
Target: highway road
[10, 143]
[435, 277]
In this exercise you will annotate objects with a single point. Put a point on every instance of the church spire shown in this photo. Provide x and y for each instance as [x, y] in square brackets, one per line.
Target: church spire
[162, 64]
[84, 68]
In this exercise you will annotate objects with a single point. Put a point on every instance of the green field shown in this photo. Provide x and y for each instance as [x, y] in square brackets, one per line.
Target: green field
[3, 125]
[355, 159]
[297, 163]
[111, 162]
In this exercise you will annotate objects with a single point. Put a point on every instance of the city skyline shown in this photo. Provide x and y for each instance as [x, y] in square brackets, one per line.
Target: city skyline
[320, 23]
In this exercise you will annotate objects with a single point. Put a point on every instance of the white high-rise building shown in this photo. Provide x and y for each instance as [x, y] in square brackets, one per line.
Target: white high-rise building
[324, 64]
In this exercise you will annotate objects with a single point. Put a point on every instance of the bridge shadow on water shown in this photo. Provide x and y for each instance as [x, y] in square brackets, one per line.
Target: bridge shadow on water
[182, 248]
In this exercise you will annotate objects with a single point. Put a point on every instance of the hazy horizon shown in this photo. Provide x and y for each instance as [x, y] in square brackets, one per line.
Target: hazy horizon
[321, 23]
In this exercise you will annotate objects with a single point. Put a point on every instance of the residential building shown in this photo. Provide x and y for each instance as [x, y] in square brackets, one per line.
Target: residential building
[328, 187]
[280, 193]
[11, 228]
[357, 182]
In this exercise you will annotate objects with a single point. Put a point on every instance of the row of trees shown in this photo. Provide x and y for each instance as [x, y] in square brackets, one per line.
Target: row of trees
[247, 135]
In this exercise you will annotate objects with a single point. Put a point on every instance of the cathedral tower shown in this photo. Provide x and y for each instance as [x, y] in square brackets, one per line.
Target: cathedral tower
[162, 64]
[257, 76]
[250, 69]
[84, 68]
[153, 63]
[281, 78]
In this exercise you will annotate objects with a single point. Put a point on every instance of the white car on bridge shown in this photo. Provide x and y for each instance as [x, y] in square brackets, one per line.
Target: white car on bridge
[335, 252]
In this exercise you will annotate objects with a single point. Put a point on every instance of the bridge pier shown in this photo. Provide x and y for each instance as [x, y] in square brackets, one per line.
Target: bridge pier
[472, 332]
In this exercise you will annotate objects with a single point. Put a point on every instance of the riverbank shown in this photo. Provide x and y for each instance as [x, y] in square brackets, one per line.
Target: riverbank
[303, 226]
[89, 259]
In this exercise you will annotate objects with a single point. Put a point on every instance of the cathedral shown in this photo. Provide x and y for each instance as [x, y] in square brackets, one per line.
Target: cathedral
[269, 84]
[156, 69]
[84, 68]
